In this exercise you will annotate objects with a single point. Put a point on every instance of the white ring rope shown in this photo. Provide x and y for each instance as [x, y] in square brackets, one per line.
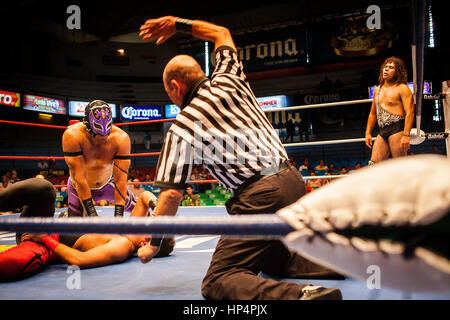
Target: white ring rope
[320, 105]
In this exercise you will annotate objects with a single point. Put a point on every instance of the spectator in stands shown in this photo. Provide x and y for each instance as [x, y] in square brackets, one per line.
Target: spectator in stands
[50, 174]
[132, 175]
[139, 174]
[314, 183]
[343, 170]
[14, 176]
[147, 140]
[325, 85]
[195, 175]
[204, 175]
[42, 165]
[189, 198]
[5, 182]
[136, 188]
[328, 180]
[331, 168]
[292, 161]
[321, 166]
[305, 165]
[52, 164]
[338, 84]
[357, 165]
[290, 128]
[147, 187]
[63, 192]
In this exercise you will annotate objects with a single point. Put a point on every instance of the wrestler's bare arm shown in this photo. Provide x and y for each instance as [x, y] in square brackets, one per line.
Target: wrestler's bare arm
[76, 164]
[121, 167]
[408, 105]
[116, 250]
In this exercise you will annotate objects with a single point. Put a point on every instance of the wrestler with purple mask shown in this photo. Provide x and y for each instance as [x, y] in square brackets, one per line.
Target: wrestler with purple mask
[98, 118]
[98, 156]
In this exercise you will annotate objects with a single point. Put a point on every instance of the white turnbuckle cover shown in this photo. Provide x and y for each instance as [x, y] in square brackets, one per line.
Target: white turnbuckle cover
[403, 196]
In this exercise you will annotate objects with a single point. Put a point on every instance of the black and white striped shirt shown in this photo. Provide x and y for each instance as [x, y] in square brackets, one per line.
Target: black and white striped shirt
[221, 127]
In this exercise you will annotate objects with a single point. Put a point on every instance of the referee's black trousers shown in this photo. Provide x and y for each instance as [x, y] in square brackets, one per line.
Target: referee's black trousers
[235, 265]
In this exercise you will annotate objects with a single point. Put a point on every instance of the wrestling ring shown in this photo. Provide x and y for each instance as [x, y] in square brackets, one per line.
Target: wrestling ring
[196, 230]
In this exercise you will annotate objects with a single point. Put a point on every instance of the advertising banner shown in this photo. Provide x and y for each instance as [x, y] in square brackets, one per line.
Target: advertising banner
[272, 102]
[140, 112]
[76, 108]
[44, 104]
[10, 98]
[171, 111]
[272, 49]
[331, 40]
[350, 39]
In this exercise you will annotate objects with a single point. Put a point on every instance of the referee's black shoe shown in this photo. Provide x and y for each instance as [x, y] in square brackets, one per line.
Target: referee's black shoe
[320, 293]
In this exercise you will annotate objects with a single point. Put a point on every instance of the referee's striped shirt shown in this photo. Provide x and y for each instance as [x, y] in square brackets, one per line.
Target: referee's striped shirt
[221, 127]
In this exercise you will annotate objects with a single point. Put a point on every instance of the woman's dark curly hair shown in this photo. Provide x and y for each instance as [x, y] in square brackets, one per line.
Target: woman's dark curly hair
[401, 74]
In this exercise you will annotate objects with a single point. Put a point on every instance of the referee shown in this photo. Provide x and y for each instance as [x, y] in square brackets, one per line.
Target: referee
[223, 128]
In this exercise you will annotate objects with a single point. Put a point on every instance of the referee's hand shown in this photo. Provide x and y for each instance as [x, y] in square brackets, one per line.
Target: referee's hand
[160, 29]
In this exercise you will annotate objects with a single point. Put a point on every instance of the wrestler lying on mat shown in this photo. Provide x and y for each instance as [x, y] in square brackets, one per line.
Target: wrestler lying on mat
[34, 252]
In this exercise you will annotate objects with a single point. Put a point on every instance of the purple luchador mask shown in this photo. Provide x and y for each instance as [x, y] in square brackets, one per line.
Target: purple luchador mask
[98, 118]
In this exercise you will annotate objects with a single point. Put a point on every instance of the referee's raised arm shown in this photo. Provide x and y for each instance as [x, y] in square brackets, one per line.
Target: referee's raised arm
[163, 28]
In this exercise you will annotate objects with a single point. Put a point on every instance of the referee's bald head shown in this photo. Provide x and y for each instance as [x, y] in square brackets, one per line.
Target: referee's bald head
[182, 68]
[179, 75]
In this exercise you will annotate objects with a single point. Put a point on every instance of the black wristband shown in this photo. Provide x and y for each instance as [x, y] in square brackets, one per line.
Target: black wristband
[184, 25]
[156, 242]
[89, 207]
[118, 210]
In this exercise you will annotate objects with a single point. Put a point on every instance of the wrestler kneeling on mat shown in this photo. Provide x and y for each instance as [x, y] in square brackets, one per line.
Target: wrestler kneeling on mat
[98, 156]
[34, 252]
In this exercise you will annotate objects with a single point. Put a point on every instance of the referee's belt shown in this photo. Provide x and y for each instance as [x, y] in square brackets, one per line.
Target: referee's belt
[259, 177]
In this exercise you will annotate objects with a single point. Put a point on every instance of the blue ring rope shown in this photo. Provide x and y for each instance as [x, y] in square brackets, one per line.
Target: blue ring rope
[261, 225]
